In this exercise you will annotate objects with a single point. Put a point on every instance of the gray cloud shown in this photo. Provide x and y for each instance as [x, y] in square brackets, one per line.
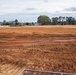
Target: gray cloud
[71, 9]
[30, 9]
[46, 0]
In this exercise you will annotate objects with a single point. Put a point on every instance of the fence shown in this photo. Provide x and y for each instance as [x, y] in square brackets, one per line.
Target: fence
[41, 72]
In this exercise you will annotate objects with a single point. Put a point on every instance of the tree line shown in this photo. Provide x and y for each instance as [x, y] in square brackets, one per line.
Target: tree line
[15, 23]
[45, 20]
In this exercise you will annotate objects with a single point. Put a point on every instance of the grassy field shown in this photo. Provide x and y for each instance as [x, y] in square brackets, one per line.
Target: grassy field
[51, 48]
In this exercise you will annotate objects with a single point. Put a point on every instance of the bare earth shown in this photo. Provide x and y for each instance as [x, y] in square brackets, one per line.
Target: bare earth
[51, 48]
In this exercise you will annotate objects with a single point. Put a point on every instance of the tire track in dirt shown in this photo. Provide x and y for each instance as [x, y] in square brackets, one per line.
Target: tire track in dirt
[54, 52]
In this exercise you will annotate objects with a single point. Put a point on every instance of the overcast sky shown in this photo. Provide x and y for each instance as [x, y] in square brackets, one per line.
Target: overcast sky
[29, 10]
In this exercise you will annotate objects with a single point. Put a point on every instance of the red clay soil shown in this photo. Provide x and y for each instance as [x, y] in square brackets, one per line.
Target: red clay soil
[52, 52]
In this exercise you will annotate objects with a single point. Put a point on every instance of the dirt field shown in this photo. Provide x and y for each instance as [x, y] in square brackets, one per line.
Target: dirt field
[51, 48]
